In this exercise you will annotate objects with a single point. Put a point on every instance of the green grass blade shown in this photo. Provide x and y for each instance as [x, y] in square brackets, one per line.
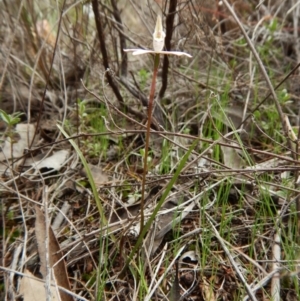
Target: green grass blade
[161, 201]
[89, 175]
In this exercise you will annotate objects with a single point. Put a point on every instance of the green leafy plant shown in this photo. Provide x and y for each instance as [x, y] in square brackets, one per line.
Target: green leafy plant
[93, 121]
[143, 76]
[10, 119]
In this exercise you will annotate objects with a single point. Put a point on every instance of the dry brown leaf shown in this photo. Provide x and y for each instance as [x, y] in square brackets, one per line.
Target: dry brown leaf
[170, 219]
[233, 120]
[291, 132]
[207, 291]
[24, 134]
[99, 176]
[44, 32]
[166, 221]
[231, 158]
[33, 289]
[174, 294]
[55, 161]
[189, 255]
[14, 148]
[55, 255]
[122, 215]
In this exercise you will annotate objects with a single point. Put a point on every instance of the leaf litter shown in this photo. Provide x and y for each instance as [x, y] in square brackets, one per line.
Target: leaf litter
[32, 289]
[15, 145]
[222, 216]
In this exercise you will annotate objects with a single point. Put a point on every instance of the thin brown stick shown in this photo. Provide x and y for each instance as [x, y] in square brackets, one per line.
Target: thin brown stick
[103, 50]
[169, 33]
[121, 37]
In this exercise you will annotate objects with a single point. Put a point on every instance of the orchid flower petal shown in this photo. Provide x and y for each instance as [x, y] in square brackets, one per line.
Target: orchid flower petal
[158, 43]
[138, 51]
[158, 35]
[144, 51]
[178, 53]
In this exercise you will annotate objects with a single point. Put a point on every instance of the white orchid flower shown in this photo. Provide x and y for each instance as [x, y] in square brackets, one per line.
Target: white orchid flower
[158, 35]
[158, 43]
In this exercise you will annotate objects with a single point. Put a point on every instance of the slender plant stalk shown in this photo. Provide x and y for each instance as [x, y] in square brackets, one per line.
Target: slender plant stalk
[150, 109]
[158, 206]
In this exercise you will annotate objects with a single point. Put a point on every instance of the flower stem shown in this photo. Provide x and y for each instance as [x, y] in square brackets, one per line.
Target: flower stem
[149, 121]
